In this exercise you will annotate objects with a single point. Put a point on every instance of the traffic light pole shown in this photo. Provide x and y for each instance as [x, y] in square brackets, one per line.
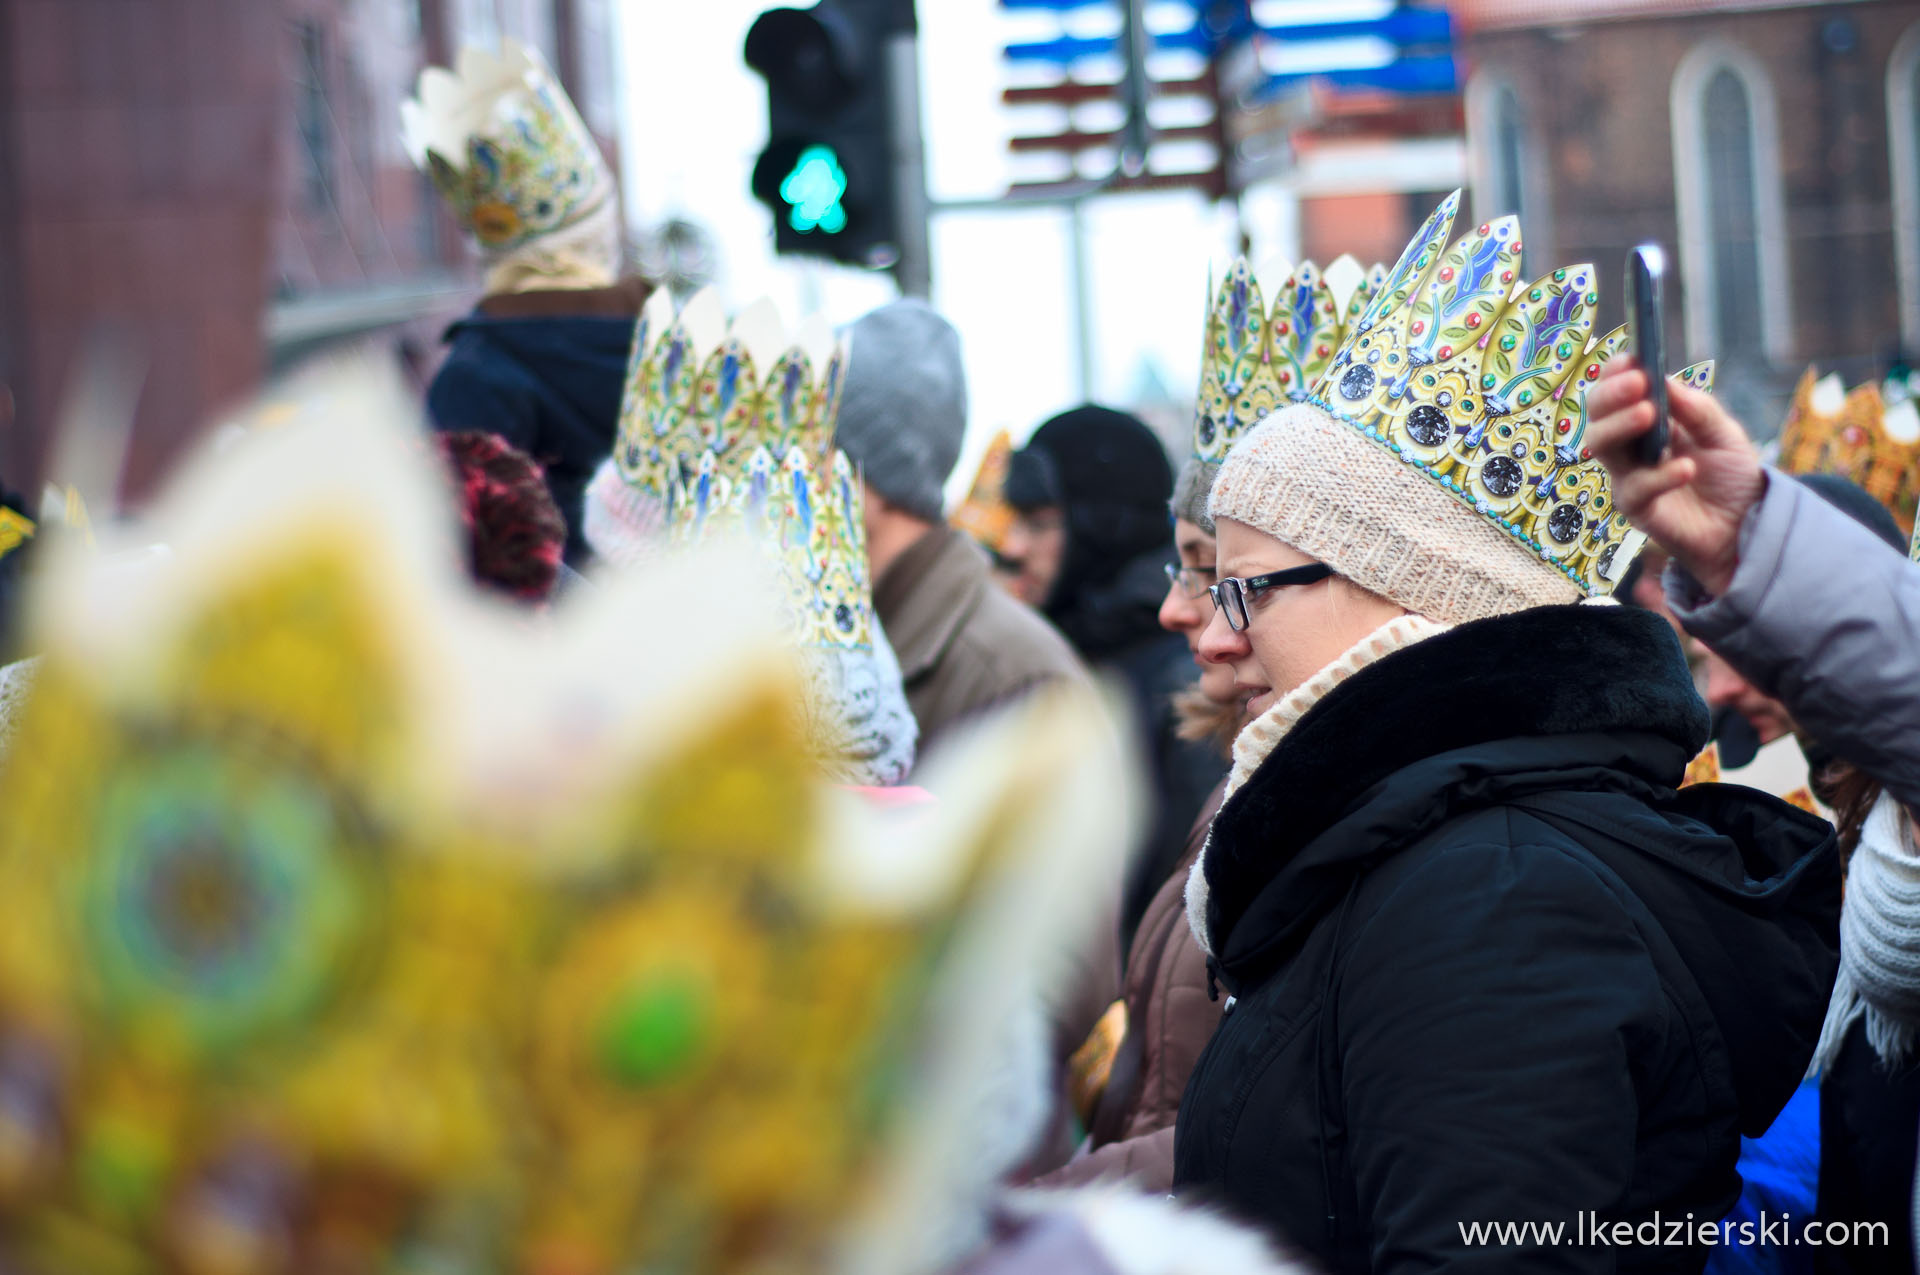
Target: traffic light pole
[914, 269]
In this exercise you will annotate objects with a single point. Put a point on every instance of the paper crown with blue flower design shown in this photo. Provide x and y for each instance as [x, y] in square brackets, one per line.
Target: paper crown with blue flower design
[1267, 337]
[732, 424]
[505, 147]
[1476, 379]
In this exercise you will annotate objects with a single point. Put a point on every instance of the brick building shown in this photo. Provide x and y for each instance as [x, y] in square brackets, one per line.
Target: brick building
[1774, 148]
[220, 184]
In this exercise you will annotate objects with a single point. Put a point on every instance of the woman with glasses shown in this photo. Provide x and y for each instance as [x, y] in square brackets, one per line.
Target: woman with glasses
[1169, 1015]
[1485, 965]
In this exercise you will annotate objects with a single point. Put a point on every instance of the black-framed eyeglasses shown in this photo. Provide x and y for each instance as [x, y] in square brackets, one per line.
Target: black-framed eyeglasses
[1191, 581]
[1231, 594]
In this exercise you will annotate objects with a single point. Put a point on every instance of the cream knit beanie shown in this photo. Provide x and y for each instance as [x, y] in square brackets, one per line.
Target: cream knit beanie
[1318, 484]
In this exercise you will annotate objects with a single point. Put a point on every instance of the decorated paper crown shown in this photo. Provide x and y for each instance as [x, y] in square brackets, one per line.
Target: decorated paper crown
[985, 514]
[733, 425]
[1856, 435]
[1263, 347]
[346, 925]
[505, 147]
[1477, 379]
[15, 530]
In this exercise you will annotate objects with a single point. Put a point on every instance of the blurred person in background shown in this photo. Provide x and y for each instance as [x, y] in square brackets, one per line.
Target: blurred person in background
[1486, 963]
[1802, 598]
[1170, 1011]
[964, 645]
[1743, 709]
[854, 691]
[1090, 548]
[541, 360]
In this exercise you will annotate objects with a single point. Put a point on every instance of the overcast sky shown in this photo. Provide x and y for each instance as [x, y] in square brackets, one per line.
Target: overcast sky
[696, 119]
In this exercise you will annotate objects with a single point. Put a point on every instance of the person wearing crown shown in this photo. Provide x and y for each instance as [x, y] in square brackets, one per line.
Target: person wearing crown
[730, 424]
[1806, 602]
[1486, 964]
[539, 361]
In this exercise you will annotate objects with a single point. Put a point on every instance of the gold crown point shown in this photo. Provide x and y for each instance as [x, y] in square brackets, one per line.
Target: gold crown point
[1857, 436]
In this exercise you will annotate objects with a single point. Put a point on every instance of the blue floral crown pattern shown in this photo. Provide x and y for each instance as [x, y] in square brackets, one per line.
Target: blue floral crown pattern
[733, 424]
[1478, 380]
[505, 147]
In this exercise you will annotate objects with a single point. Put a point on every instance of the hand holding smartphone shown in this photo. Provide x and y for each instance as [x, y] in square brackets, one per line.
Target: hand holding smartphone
[1646, 267]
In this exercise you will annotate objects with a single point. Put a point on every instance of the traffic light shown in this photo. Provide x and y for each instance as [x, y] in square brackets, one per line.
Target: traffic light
[829, 171]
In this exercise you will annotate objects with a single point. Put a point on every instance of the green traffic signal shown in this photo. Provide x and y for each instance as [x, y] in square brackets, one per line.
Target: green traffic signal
[813, 192]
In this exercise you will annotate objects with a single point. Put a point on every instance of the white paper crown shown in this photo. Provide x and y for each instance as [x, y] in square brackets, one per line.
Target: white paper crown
[1478, 380]
[504, 146]
[734, 423]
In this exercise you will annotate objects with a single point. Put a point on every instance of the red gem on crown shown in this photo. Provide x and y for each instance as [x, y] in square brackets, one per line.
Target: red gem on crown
[1473, 320]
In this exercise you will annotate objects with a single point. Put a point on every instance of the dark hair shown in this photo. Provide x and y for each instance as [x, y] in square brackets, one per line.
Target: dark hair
[1850, 793]
[515, 533]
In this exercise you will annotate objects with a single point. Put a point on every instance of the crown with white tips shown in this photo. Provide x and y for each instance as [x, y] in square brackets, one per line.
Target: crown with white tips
[505, 147]
[734, 422]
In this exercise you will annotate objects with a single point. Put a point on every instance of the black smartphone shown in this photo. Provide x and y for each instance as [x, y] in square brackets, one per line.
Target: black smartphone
[1646, 267]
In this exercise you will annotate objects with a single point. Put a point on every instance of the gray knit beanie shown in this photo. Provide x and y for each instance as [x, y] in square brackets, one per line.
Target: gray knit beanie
[903, 410]
[1190, 489]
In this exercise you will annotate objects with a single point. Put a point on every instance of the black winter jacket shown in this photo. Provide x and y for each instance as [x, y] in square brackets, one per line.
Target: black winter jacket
[1490, 967]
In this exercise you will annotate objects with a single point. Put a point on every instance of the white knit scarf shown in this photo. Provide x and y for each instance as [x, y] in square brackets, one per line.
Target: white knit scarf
[1263, 734]
[1879, 943]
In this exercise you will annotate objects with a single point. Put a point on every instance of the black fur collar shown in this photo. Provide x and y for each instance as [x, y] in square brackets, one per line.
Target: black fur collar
[1590, 671]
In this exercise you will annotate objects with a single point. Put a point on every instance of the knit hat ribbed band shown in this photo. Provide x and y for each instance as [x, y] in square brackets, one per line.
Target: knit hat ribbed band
[1319, 485]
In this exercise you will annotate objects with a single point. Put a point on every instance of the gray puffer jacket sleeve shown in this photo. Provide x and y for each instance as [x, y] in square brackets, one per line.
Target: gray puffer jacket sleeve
[1825, 617]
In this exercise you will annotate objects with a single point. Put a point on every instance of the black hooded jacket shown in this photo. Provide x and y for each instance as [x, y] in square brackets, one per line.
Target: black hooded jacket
[1490, 967]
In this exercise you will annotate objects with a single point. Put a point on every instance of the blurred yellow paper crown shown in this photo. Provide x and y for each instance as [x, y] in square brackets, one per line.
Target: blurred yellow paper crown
[15, 530]
[985, 514]
[505, 147]
[1478, 380]
[732, 424]
[1855, 434]
[347, 925]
